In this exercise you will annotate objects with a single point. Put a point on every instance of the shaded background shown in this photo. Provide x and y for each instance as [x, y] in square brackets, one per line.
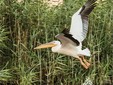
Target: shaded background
[29, 23]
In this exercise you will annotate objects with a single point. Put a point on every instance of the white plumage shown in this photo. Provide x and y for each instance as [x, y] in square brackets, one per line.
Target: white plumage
[71, 41]
[77, 26]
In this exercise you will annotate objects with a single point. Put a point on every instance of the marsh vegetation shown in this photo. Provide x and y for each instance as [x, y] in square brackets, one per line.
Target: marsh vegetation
[29, 23]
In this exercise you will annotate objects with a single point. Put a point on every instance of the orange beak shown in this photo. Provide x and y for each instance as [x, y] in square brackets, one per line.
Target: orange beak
[47, 45]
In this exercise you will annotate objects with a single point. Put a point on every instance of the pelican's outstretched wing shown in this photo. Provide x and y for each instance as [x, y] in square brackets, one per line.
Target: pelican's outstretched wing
[67, 38]
[79, 23]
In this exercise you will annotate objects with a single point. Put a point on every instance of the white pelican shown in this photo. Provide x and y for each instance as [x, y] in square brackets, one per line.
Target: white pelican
[71, 41]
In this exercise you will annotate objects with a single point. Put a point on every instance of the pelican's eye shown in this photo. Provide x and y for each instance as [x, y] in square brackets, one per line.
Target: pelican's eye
[54, 42]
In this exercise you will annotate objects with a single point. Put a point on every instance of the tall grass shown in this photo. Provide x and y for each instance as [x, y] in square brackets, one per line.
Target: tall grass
[31, 22]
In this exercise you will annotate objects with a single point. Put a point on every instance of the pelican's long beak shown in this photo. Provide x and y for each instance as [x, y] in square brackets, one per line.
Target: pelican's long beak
[47, 45]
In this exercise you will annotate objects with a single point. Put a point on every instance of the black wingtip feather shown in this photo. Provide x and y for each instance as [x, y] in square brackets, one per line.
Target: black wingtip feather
[88, 7]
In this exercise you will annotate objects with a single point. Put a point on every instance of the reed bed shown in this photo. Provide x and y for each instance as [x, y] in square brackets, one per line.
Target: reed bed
[26, 24]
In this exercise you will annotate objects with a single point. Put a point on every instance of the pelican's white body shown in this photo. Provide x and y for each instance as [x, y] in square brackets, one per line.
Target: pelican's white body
[70, 50]
[78, 30]
[71, 41]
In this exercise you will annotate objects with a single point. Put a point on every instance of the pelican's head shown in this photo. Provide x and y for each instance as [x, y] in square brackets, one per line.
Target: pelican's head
[54, 44]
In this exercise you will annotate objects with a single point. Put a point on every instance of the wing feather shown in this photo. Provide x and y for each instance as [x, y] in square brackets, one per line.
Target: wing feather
[79, 23]
[66, 39]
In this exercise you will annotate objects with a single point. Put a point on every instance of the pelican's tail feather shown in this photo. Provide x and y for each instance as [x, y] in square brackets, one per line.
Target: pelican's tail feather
[85, 52]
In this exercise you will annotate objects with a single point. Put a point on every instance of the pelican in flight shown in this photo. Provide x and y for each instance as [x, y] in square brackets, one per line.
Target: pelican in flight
[71, 40]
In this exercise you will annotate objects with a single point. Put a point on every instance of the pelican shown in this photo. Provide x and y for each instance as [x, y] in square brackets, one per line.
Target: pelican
[71, 40]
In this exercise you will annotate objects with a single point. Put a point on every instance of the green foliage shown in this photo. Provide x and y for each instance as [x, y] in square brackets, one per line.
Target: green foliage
[24, 25]
[3, 37]
[5, 75]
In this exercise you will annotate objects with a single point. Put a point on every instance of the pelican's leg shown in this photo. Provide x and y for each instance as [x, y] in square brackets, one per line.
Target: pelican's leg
[83, 64]
[86, 62]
